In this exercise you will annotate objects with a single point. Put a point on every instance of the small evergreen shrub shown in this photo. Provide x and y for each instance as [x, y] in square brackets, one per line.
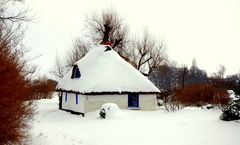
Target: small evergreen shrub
[232, 111]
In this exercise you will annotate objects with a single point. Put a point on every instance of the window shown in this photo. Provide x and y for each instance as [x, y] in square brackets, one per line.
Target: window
[75, 72]
[133, 100]
[108, 48]
[76, 98]
[65, 96]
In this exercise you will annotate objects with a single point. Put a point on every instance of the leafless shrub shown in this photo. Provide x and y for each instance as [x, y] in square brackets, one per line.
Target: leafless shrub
[42, 88]
[15, 78]
[201, 94]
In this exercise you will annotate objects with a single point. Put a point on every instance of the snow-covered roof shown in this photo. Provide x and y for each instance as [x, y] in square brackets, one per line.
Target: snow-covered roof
[106, 72]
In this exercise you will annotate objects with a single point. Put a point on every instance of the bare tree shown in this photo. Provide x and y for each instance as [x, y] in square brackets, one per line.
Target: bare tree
[58, 70]
[105, 28]
[16, 107]
[238, 74]
[221, 71]
[13, 112]
[78, 51]
[147, 53]
[108, 27]
[183, 74]
[17, 17]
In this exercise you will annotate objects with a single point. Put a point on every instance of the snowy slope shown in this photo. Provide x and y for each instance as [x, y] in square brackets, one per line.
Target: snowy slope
[106, 72]
[190, 126]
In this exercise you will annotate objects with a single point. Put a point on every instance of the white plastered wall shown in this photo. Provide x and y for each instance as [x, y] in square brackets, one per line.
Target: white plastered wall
[88, 103]
[94, 102]
[70, 104]
[64, 103]
[148, 102]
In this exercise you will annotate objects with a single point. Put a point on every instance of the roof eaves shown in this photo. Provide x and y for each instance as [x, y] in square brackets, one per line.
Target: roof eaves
[105, 92]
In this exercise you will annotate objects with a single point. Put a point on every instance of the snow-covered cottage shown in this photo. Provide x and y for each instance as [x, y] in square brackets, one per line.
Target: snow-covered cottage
[102, 76]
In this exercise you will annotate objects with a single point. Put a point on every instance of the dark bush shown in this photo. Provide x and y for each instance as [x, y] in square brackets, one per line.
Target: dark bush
[231, 112]
[43, 88]
[17, 91]
[15, 111]
[16, 87]
[201, 94]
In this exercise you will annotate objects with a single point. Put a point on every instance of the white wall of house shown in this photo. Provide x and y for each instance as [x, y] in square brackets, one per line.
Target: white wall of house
[94, 102]
[71, 104]
[89, 103]
[148, 102]
[64, 102]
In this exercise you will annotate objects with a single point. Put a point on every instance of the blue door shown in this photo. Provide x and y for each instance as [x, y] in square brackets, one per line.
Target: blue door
[133, 100]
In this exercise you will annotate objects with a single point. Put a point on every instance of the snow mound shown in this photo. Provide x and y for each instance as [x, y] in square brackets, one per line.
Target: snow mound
[208, 106]
[110, 110]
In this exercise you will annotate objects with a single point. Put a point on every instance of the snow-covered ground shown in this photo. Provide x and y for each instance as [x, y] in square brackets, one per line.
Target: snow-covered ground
[189, 126]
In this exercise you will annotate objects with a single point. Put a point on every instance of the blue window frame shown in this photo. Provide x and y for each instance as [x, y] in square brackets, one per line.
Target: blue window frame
[65, 96]
[75, 72]
[133, 100]
[76, 98]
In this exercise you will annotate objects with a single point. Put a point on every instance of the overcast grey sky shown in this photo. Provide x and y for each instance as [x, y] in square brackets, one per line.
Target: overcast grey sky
[208, 30]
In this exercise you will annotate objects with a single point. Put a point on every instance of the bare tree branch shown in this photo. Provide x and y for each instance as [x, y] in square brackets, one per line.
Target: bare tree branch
[147, 53]
[58, 70]
[79, 50]
[108, 27]
[7, 16]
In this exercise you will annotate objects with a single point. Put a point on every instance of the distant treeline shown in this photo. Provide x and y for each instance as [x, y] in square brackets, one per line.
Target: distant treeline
[183, 86]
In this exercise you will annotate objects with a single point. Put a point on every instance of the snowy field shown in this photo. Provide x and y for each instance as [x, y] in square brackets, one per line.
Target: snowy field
[189, 126]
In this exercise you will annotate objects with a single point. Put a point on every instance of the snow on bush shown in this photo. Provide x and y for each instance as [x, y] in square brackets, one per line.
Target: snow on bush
[160, 102]
[208, 106]
[232, 111]
[232, 96]
[109, 110]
